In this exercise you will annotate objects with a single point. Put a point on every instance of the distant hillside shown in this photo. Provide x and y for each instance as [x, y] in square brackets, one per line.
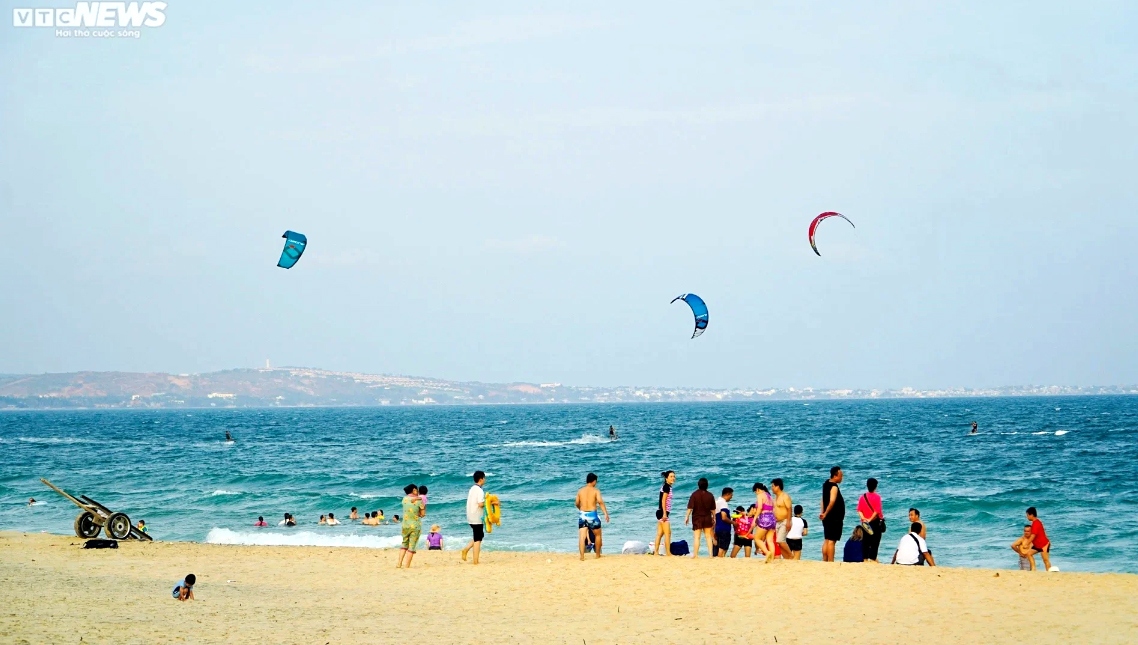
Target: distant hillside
[312, 387]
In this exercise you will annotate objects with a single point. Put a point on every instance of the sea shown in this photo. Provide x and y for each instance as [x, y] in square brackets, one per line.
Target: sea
[1071, 457]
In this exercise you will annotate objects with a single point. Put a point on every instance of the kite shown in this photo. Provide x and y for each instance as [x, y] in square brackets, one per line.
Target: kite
[698, 309]
[818, 220]
[294, 248]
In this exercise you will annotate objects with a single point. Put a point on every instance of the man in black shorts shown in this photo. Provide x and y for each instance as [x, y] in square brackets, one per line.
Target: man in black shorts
[833, 513]
[475, 503]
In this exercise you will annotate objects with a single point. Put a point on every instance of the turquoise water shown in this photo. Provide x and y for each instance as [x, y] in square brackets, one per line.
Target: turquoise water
[1072, 457]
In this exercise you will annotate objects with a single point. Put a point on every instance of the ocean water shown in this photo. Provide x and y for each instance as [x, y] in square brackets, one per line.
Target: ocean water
[1072, 457]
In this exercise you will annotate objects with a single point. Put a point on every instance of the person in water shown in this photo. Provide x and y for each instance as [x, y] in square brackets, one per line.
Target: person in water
[31, 501]
[260, 521]
[332, 521]
[663, 511]
[612, 433]
[589, 499]
[833, 513]
[974, 426]
[354, 515]
[228, 437]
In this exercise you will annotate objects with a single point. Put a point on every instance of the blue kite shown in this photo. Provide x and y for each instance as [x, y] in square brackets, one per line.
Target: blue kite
[698, 309]
[294, 248]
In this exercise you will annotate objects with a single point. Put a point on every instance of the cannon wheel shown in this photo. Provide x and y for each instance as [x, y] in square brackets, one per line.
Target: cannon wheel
[85, 526]
[117, 526]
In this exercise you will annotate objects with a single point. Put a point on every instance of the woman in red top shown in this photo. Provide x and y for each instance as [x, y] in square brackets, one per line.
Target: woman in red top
[1039, 542]
[872, 515]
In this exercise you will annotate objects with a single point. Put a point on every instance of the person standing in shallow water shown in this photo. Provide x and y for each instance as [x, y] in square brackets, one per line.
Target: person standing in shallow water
[663, 511]
[588, 500]
[833, 513]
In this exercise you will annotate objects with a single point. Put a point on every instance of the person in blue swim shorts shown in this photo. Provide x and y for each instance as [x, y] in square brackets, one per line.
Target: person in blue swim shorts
[589, 518]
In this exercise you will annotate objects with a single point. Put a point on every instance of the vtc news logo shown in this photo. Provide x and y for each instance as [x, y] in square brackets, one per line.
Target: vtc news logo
[93, 14]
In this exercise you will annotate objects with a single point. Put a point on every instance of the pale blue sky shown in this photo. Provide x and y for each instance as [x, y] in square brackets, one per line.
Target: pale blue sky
[515, 191]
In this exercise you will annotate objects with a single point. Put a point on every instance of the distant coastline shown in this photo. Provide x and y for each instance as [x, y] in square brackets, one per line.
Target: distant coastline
[299, 387]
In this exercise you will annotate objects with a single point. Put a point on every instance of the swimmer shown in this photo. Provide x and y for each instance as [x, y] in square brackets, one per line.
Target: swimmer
[612, 433]
[31, 501]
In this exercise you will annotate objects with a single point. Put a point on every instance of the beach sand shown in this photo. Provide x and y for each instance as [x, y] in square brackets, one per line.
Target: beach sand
[51, 591]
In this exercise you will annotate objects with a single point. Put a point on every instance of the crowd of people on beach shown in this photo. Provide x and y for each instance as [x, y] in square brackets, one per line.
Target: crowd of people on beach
[772, 527]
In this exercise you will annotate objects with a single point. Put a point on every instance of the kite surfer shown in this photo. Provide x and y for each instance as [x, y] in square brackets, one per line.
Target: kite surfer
[974, 425]
[612, 433]
[228, 437]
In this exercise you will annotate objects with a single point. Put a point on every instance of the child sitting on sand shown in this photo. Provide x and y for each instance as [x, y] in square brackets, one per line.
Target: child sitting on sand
[184, 590]
[434, 539]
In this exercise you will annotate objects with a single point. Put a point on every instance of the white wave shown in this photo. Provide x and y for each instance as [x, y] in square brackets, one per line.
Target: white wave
[55, 440]
[226, 492]
[582, 440]
[301, 538]
[366, 495]
[1060, 433]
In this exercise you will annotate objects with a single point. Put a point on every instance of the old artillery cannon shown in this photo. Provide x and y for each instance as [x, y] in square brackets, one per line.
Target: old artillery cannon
[95, 516]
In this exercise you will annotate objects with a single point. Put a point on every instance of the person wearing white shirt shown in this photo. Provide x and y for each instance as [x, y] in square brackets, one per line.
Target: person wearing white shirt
[912, 547]
[475, 503]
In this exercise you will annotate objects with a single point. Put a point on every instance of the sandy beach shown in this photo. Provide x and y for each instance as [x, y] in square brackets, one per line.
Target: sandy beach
[51, 591]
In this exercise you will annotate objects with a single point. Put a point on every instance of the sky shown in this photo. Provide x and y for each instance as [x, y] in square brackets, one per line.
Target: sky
[516, 191]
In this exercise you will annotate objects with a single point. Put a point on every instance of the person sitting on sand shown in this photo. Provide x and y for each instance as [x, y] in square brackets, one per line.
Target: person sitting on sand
[260, 521]
[1022, 547]
[354, 515]
[912, 549]
[184, 590]
[332, 521]
[854, 549]
[323, 519]
[141, 526]
[434, 539]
